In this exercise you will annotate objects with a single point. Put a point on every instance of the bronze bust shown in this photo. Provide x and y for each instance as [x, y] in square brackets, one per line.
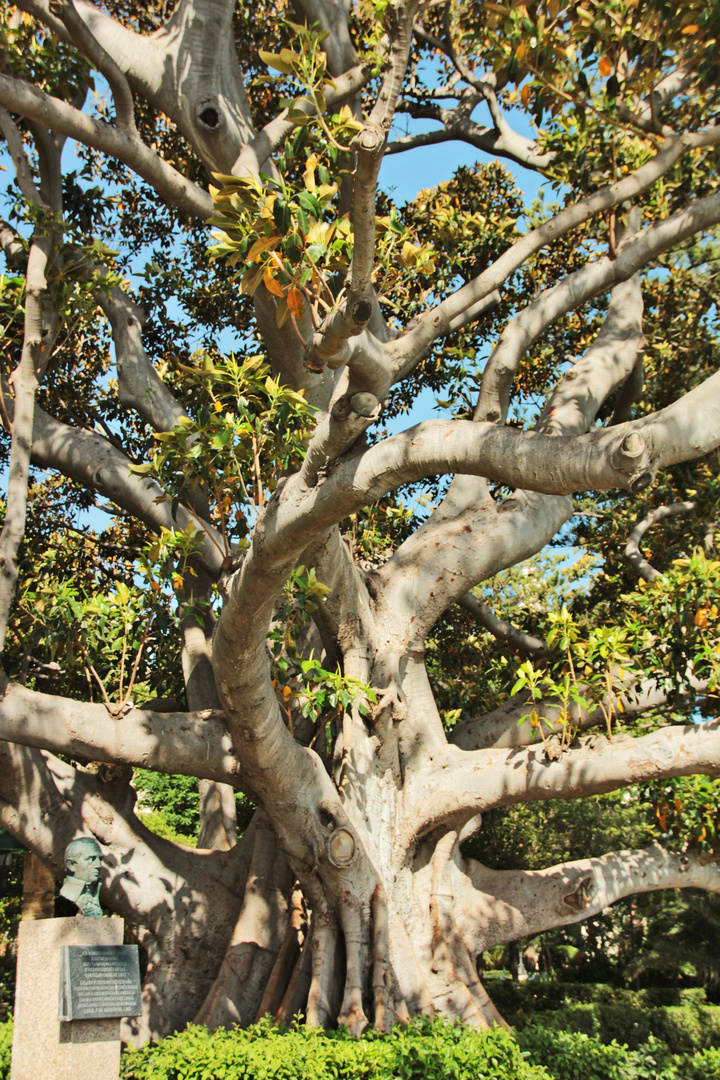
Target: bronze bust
[82, 869]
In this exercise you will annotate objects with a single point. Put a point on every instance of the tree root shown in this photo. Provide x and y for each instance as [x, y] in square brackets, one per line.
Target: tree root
[247, 967]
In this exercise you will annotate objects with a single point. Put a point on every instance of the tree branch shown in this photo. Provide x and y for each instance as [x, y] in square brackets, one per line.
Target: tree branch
[501, 629]
[405, 349]
[484, 779]
[504, 143]
[24, 382]
[57, 115]
[88, 44]
[139, 385]
[191, 744]
[88, 458]
[632, 549]
[499, 729]
[609, 361]
[627, 457]
[12, 245]
[523, 521]
[369, 145]
[188, 70]
[500, 906]
[23, 172]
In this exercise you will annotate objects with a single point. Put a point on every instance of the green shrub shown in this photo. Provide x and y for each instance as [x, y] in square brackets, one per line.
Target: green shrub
[573, 1055]
[263, 1052]
[536, 996]
[423, 1051]
[683, 1028]
[570, 1055]
[6, 1034]
[704, 1065]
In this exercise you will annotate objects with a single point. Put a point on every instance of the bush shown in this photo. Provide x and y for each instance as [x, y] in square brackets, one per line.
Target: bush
[680, 1018]
[434, 1051]
[263, 1052]
[6, 1034]
[704, 1066]
[536, 996]
[570, 1055]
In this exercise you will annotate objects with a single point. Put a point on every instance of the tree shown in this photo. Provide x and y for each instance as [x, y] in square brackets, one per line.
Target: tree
[267, 610]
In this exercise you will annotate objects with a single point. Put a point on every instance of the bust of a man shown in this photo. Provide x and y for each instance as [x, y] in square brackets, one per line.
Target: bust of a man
[82, 869]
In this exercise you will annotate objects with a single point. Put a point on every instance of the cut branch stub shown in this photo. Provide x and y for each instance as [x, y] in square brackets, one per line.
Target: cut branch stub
[579, 899]
[361, 311]
[341, 848]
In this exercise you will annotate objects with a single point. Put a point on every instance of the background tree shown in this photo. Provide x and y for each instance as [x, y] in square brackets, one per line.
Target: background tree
[262, 609]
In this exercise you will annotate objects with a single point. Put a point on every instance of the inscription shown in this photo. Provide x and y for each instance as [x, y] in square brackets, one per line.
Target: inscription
[99, 982]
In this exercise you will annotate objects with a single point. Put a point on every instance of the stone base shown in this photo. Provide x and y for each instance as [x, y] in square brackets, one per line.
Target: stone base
[43, 1046]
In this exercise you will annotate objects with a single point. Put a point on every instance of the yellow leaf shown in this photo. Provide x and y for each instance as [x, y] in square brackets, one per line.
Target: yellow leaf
[701, 618]
[263, 244]
[309, 174]
[282, 312]
[218, 406]
[294, 300]
[520, 51]
[691, 28]
[525, 94]
[271, 284]
[605, 67]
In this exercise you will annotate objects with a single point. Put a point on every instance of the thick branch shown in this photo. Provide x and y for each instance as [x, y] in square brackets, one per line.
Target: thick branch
[574, 403]
[467, 783]
[12, 245]
[500, 729]
[333, 17]
[139, 385]
[188, 70]
[627, 457]
[442, 571]
[38, 332]
[191, 744]
[53, 113]
[354, 315]
[14, 140]
[504, 905]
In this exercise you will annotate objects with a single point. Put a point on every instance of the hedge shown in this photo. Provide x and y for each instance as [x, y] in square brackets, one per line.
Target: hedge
[611, 1015]
[419, 1052]
[570, 1055]
[541, 1051]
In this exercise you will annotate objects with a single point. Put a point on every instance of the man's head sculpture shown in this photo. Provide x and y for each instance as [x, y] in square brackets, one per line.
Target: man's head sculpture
[83, 859]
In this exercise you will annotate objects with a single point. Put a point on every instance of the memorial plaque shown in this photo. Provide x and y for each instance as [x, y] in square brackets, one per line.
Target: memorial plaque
[99, 982]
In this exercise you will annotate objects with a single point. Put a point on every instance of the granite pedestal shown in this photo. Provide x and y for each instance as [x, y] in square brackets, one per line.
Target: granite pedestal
[43, 1046]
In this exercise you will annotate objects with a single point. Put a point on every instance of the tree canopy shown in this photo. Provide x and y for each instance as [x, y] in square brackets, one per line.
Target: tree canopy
[226, 553]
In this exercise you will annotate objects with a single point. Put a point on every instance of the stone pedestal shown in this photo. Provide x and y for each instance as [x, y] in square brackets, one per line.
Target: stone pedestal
[43, 1046]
